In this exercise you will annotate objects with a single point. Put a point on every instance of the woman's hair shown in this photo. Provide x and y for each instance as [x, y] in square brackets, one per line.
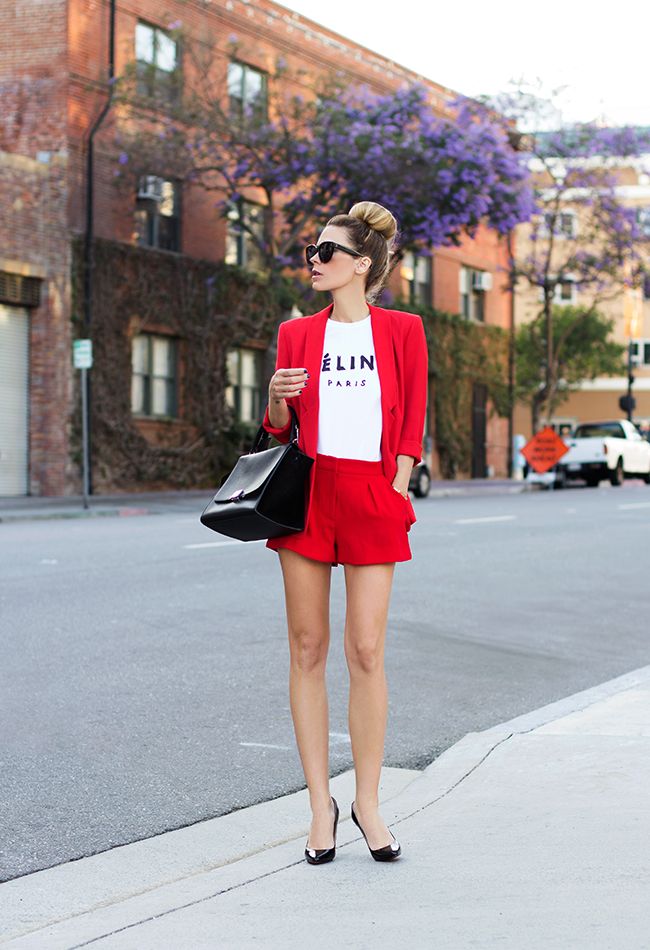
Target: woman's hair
[372, 229]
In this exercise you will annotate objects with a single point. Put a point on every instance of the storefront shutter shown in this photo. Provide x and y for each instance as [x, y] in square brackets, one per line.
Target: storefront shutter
[14, 400]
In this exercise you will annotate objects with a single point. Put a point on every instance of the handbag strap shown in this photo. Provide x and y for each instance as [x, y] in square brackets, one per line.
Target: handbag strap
[262, 438]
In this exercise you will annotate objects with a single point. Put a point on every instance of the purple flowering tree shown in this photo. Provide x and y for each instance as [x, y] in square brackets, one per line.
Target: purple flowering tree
[580, 234]
[304, 159]
[441, 177]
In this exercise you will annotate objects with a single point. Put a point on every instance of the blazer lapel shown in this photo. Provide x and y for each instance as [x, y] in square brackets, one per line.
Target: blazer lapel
[385, 353]
[314, 342]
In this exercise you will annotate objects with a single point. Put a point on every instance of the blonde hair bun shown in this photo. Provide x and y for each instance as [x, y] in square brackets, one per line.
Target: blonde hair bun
[376, 217]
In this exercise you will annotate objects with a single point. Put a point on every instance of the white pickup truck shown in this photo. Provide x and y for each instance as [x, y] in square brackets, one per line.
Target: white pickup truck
[598, 450]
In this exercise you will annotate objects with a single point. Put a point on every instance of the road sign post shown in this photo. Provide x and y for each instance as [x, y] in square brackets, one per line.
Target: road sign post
[82, 357]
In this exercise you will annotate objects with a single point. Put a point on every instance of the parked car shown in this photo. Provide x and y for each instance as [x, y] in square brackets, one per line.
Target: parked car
[420, 482]
[611, 450]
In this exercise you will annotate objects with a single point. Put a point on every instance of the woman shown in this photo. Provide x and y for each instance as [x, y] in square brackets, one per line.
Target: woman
[356, 375]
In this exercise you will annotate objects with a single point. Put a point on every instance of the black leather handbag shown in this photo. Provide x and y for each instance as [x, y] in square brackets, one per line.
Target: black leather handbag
[264, 495]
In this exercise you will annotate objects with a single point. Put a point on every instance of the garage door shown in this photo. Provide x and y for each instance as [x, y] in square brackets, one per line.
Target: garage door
[14, 400]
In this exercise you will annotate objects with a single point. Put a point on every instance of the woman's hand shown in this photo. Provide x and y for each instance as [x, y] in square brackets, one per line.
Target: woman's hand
[287, 384]
[403, 475]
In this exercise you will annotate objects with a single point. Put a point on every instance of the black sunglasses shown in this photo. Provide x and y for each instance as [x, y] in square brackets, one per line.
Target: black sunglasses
[325, 250]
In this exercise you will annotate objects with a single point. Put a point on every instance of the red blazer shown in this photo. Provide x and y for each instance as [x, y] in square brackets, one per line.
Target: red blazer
[402, 364]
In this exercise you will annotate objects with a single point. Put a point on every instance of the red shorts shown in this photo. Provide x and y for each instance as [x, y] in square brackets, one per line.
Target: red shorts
[355, 517]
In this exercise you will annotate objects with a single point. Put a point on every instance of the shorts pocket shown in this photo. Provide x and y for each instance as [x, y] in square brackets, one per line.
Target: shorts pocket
[406, 503]
[402, 506]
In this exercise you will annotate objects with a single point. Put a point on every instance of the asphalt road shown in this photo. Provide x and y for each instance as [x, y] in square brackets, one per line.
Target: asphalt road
[143, 683]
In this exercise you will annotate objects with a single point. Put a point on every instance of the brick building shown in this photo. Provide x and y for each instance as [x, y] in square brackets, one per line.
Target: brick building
[53, 82]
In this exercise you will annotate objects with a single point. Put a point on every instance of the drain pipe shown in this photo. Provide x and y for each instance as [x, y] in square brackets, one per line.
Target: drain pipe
[89, 234]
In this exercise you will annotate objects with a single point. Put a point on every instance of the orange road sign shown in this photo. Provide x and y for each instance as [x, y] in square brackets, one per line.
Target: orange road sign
[544, 450]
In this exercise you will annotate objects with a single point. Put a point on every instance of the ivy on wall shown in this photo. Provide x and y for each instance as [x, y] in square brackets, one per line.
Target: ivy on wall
[208, 308]
[461, 353]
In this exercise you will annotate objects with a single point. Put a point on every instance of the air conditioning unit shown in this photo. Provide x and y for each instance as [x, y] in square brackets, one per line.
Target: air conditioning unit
[481, 280]
[150, 188]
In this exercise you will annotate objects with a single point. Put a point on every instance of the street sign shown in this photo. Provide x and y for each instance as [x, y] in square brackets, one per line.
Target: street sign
[82, 354]
[82, 358]
[544, 450]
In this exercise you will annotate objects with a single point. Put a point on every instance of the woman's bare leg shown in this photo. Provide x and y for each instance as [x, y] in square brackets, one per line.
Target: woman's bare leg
[368, 595]
[307, 594]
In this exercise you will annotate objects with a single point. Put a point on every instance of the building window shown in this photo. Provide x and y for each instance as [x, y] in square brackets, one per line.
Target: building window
[247, 91]
[157, 213]
[416, 271]
[563, 224]
[154, 375]
[474, 285]
[244, 390]
[157, 63]
[641, 352]
[245, 233]
[566, 293]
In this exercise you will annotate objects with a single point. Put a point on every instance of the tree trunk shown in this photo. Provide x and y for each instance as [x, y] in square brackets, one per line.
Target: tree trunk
[535, 406]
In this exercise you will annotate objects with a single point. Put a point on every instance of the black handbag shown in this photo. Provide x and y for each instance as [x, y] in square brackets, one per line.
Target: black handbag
[264, 495]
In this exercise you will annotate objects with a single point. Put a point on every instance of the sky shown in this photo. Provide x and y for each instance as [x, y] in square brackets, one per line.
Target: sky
[599, 53]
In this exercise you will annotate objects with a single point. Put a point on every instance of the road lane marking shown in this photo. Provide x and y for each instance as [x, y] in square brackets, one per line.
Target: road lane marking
[219, 544]
[336, 737]
[265, 745]
[487, 520]
[638, 504]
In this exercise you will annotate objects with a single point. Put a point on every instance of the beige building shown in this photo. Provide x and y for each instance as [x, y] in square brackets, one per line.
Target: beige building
[629, 309]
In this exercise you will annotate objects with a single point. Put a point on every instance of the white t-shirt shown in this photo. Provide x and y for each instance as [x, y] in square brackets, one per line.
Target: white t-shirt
[349, 420]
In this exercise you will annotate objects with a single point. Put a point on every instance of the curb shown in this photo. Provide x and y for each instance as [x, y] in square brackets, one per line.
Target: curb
[482, 491]
[67, 903]
[155, 506]
[66, 515]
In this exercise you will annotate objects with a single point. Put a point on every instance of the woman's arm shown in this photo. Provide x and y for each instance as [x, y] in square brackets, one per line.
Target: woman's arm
[416, 363]
[286, 383]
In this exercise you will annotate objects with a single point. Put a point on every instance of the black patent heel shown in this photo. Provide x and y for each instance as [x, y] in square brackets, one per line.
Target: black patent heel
[389, 852]
[324, 855]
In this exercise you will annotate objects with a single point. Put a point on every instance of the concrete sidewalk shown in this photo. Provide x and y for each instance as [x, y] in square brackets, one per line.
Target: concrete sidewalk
[532, 835]
[35, 508]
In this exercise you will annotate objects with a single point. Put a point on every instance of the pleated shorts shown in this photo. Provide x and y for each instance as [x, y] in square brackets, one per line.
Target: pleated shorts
[355, 516]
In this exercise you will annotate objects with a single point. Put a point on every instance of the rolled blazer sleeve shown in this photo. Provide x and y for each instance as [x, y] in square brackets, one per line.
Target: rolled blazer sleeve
[416, 363]
[282, 361]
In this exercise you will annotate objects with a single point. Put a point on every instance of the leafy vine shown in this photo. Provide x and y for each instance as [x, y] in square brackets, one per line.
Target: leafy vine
[461, 354]
[208, 308]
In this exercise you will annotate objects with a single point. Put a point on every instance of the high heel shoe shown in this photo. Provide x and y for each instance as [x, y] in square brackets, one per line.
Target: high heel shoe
[323, 855]
[389, 852]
